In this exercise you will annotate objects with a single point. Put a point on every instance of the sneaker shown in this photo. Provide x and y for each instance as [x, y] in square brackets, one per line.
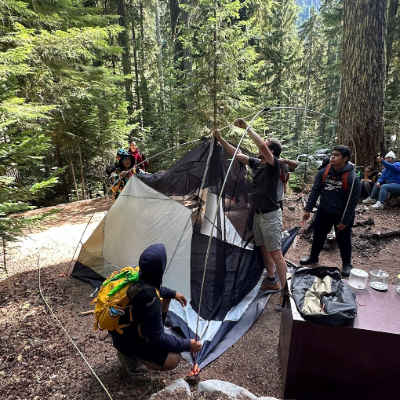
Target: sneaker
[270, 284]
[368, 200]
[308, 260]
[132, 365]
[346, 270]
[377, 206]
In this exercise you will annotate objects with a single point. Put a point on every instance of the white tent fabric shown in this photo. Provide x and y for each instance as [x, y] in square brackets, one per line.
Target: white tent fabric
[208, 329]
[139, 218]
[231, 235]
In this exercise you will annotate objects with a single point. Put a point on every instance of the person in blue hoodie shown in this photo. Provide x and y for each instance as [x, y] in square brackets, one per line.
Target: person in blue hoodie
[143, 342]
[389, 182]
[338, 187]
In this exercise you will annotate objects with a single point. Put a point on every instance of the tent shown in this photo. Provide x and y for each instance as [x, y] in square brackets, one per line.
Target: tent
[181, 209]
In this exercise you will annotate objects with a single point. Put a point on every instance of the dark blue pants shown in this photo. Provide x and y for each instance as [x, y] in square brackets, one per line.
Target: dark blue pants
[322, 226]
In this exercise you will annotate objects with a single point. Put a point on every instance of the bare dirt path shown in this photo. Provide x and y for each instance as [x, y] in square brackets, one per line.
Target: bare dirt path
[38, 360]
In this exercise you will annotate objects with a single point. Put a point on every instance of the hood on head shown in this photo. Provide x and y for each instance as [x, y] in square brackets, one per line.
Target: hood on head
[152, 263]
[121, 155]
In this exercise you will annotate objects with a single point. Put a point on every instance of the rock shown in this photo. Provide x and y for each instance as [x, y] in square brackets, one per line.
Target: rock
[179, 384]
[29, 314]
[230, 389]
[393, 201]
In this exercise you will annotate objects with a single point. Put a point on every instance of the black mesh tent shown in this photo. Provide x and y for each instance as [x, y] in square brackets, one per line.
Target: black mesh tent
[190, 211]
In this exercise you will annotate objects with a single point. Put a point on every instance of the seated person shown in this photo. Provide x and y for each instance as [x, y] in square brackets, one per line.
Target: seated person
[368, 179]
[144, 341]
[389, 182]
[124, 169]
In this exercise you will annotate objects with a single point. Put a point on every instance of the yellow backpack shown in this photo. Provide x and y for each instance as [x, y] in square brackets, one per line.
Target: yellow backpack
[112, 299]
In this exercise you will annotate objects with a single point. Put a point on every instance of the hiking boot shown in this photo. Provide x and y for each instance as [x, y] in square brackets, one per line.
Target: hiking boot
[309, 260]
[132, 365]
[377, 206]
[346, 270]
[270, 284]
[368, 200]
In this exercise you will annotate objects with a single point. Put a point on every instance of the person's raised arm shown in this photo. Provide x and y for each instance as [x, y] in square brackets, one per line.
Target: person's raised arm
[290, 163]
[230, 149]
[264, 150]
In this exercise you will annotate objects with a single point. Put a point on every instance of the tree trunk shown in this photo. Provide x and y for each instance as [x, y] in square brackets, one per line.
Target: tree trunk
[181, 54]
[363, 79]
[73, 174]
[135, 59]
[82, 174]
[215, 72]
[391, 27]
[160, 56]
[126, 57]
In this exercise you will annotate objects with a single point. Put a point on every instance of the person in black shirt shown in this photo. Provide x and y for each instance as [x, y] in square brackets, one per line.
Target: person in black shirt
[338, 188]
[267, 225]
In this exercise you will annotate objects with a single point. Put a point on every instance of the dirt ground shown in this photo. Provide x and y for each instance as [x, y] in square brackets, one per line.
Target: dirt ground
[40, 314]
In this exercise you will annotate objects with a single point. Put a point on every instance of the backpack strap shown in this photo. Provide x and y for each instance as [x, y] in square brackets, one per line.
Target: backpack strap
[345, 180]
[345, 177]
[284, 178]
[326, 172]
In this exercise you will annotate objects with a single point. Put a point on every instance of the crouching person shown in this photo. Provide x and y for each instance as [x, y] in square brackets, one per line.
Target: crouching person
[143, 342]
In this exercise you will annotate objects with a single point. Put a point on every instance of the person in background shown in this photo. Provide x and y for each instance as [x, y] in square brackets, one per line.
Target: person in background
[368, 180]
[140, 158]
[337, 206]
[286, 166]
[143, 342]
[124, 169]
[389, 182]
[267, 225]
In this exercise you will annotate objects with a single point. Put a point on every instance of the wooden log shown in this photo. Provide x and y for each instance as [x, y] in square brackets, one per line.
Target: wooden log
[379, 235]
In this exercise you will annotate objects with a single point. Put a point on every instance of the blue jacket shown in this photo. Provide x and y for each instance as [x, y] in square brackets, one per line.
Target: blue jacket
[391, 173]
[333, 197]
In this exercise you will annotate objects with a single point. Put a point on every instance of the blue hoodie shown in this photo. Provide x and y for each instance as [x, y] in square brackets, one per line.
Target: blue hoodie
[147, 323]
[391, 173]
[333, 196]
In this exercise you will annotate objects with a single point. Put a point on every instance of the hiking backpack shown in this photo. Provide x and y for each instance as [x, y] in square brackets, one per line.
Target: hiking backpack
[284, 179]
[345, 177]
[113, 299]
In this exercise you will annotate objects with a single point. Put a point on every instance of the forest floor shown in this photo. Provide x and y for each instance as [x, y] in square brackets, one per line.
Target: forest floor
[38, 360]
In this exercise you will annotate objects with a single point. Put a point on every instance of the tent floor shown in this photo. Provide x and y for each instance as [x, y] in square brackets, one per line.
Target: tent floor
[357, 362]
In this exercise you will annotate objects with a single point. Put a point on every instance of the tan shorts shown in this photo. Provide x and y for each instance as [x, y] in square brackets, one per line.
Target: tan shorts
[267, 229]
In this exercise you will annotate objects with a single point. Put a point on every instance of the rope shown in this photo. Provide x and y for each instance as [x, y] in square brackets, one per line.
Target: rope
[67, 334]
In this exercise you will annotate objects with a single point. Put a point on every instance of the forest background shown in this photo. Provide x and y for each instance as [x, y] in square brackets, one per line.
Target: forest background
[81, 78]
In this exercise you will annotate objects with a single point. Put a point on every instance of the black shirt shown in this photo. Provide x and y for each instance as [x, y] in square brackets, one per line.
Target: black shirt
[265, 184]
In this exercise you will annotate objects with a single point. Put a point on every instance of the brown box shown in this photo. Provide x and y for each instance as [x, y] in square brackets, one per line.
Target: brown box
[361, 362]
